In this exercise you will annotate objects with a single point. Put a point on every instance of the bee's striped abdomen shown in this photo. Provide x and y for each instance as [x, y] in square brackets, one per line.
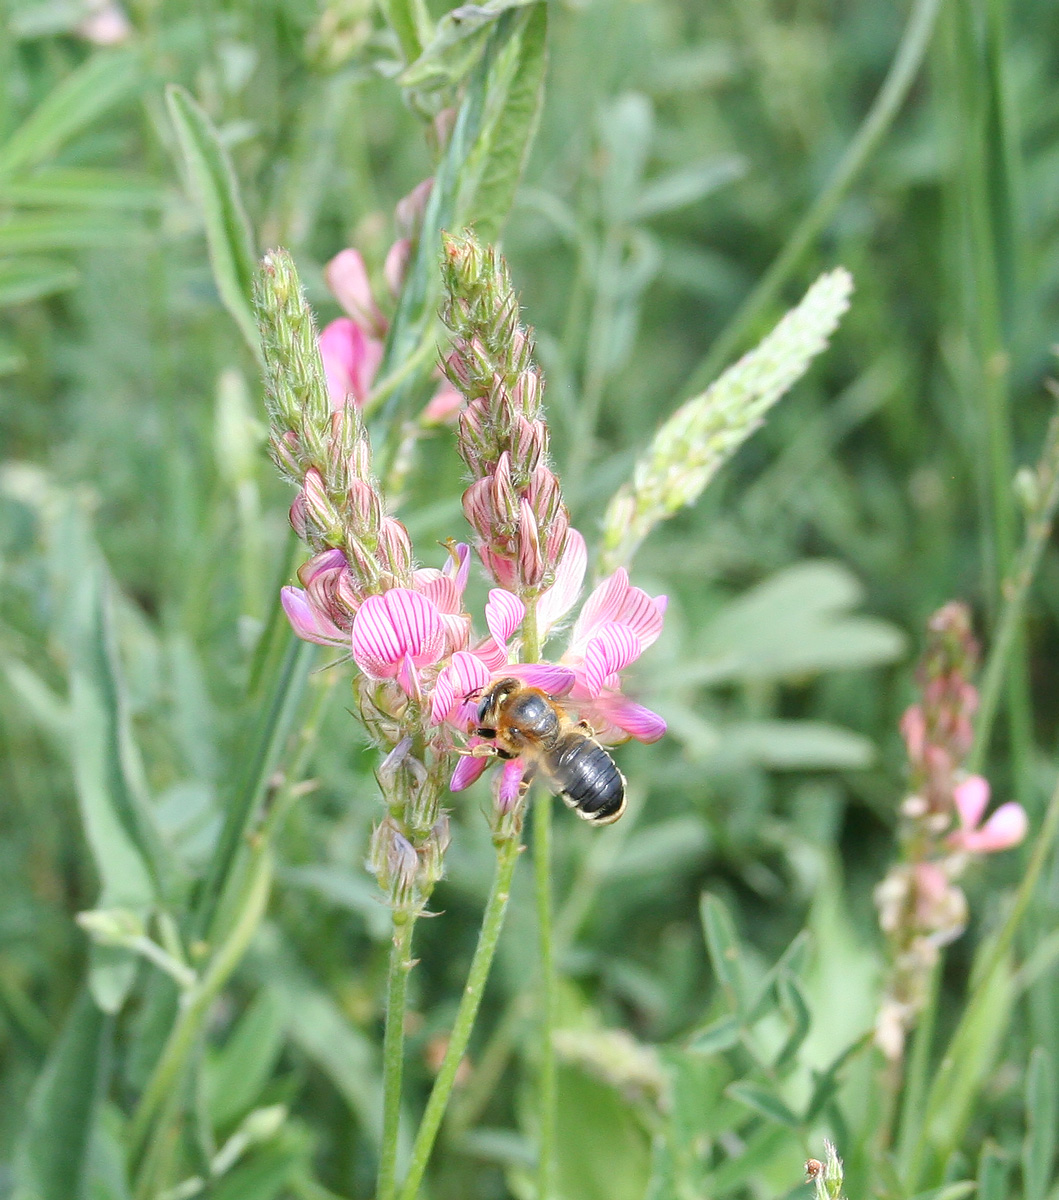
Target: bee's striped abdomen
[588, 778]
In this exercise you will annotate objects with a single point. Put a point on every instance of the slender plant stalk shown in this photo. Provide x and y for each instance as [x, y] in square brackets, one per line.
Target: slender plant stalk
[546, 1083]
[880, 117]
[493, 921]
[981, 981]
[393, 1051]
[542, 876]
[164, 1083]
[1016, 591]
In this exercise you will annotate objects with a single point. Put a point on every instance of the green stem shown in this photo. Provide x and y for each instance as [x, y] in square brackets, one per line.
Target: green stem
[492, 923]
[393, 1051]
[1015, 593]
[542, 858]
[542, 876]
[164, 1084]
[880, 117]
[981, 983]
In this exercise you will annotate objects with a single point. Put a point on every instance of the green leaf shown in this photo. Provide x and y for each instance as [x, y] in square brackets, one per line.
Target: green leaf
[446, 58]
[723, 945]
[825, 1083]
[795, 623]
[61, 231]
[790, 746]
[1038, 1150]
[603, 1152]
[268, 1173]
[51, 1159]
[796, 1009]
[792, 962]
[506, 141]
[26, 279]
[213, 185]
[238, 1073]
[762, 1149]
[104, 80]
[763, 1102]
[108, 773]
[452, 203]
[992, 1173]
[82, 187]
[686, 186]
[719, 1035]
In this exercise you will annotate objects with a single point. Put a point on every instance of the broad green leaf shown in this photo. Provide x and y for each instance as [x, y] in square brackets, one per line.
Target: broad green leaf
[61, 231]
[603, 1152]
[26, 279]
[723, 945]
[509, 137]
[949, 1191]
[52, 1154]
[82, 187]
[790, 746]
[452, 201]
[105, 79]
[720, 1035]
[238, 1072]
[764, 1102]
[446, 58]
[795, 623]
[1038, 1150]
[213, 185]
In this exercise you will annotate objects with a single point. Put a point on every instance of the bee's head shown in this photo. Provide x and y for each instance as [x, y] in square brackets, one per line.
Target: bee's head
[494, 696]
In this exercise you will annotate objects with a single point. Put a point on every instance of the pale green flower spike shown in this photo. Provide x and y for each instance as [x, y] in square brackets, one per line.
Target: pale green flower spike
[690, 448]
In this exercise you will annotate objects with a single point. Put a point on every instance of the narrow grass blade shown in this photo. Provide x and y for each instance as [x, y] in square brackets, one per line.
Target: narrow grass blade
[213, 184]
[104, 80]
[52, 1154]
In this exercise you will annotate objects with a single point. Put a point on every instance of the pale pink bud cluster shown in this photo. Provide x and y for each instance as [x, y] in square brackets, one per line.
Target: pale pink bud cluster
[921, 907]
[515, 502]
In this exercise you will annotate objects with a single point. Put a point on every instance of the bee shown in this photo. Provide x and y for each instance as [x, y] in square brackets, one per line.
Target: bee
[524, 722]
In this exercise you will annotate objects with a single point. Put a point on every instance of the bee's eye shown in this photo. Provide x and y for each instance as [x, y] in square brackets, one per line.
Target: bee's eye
[484, 732]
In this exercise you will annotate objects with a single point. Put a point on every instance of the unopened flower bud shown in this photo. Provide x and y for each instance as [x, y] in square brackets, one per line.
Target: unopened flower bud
[530, 552]
[364, 506]
[432, 852]
[319, 510]
[286, 453]
[395, 547]
[393, 861]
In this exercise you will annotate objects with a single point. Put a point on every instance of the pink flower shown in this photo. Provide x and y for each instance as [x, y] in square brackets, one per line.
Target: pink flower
[351, 359]
[616, 625]
[1004, 829]
[347, 277]
[323, 611]
[395, 635]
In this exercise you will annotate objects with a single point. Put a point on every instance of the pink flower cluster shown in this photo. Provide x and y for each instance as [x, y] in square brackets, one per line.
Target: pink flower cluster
[352, 346]
[419, 640]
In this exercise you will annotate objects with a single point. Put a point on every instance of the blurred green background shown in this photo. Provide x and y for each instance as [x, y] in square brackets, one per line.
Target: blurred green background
[679, 146]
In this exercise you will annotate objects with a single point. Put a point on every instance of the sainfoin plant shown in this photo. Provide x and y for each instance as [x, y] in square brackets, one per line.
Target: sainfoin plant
[334, 938]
